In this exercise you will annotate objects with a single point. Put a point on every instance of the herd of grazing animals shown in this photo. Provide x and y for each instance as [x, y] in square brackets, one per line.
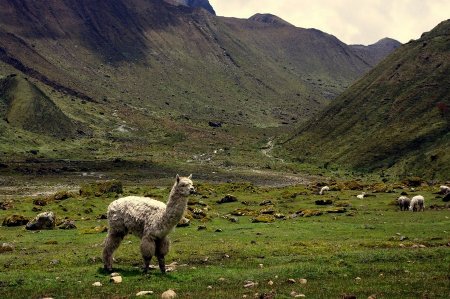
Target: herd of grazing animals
[153, 220]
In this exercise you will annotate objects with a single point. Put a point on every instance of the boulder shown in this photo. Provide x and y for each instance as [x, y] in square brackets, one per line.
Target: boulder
[40, 202]
[6, 247]
[324, 202]
[215, 124]
[309, 213]
[184, 222]
[243, 212]
[144, 293]
[44, 220]
[67, 224]
[197, 213]
[446, 197]
[6, 205]
[169, 294]
[270, 210]
[61, 195]
[116, 279]
[15, 220]
[266, 203]
[227, 199]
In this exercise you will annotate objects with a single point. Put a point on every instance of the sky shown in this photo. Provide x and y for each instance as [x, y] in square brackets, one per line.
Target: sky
[352, 21]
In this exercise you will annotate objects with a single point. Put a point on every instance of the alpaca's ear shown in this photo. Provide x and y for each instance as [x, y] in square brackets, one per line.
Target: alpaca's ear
[178, 178]
[190, 176]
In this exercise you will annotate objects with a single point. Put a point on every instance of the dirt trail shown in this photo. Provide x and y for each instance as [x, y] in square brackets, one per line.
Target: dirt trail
[268, 148]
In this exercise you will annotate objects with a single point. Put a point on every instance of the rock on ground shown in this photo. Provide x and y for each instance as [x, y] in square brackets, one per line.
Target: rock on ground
[15, 220]
[169, 294]
[144, 293]
[116, 279]
[44, 220]
[6, 247]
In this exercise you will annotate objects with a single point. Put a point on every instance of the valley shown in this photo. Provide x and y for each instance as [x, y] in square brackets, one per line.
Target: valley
[105, 99]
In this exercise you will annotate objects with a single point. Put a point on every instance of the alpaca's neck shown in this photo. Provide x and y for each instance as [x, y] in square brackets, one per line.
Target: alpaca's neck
[176, 205]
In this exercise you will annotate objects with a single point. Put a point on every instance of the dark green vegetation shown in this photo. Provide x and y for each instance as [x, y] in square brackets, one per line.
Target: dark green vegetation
[369, 248]
[396, 117]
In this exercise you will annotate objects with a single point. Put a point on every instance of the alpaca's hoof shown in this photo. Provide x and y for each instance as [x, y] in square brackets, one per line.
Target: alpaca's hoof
[108, 269]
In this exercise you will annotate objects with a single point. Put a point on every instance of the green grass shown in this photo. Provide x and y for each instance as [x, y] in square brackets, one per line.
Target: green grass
[330, 250]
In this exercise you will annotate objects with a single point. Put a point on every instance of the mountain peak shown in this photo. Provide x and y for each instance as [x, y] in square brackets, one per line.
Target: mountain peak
[388, 42]
[194, 4]
[269, 19]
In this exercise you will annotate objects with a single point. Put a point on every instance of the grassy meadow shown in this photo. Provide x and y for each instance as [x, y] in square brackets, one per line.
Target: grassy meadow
[361, 247]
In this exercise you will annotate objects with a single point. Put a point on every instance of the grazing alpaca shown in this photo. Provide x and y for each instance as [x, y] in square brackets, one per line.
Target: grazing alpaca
[444, 189]
[149, 219]
[403, 203]
[323, 190]
[361, 196]
[417, 203]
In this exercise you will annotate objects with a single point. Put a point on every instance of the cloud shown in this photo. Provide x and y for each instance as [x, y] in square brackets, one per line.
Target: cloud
[352, 21]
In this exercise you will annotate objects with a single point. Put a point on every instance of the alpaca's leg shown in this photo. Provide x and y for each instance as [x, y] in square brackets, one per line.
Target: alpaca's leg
[112, 242]
[147, 251]
[162, 248]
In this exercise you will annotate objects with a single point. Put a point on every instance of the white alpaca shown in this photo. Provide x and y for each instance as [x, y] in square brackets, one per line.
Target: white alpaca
[403, 203]
[323, 189]
[149, 219]
[417, 203]
[361, 196]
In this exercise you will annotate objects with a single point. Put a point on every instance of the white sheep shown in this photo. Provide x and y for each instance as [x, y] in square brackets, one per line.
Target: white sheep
[149, 219]
[323, 190]
[403, 203]
[417, 203]
[361, 196]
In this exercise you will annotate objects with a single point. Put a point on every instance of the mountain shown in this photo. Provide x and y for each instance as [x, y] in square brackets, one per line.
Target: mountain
[396, 117]
[140, 72]
[378, 51]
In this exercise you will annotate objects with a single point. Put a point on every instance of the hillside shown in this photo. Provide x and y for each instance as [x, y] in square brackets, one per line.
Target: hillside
[24, 106]
[150, 75]
[396, 117]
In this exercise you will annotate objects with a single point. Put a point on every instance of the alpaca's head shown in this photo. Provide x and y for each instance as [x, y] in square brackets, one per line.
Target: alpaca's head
[184, 185]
